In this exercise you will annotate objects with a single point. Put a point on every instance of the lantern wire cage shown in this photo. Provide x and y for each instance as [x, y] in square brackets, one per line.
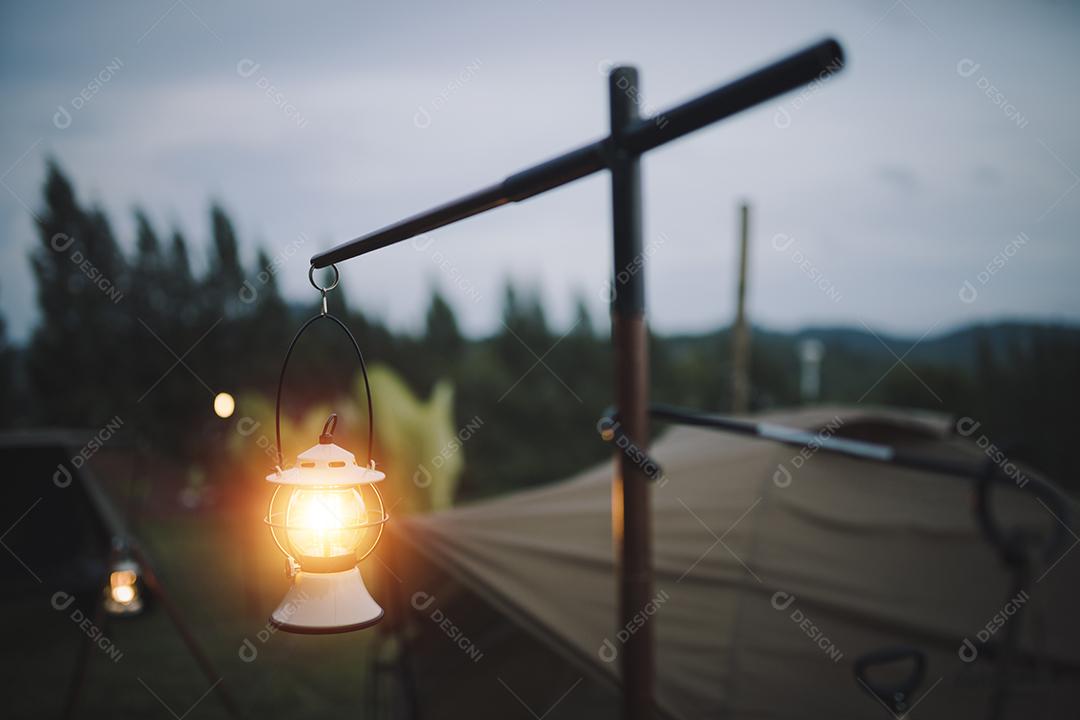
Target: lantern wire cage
[277, 514]
[276, 520]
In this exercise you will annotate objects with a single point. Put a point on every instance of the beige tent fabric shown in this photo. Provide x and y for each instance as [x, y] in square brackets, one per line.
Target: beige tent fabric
[864, 556]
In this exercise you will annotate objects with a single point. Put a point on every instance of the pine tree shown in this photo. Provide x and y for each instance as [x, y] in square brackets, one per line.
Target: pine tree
[443, 337]
[77, 360]
[180, 287]
[8, 410]
[179, 403]
[524, 330]
[268, 327]
[225, 276]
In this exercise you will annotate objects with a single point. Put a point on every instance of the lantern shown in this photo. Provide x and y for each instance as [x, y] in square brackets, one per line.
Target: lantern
[123, 595]
[326, 515]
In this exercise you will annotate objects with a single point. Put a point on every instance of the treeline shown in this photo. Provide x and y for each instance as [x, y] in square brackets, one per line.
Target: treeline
[146, 336]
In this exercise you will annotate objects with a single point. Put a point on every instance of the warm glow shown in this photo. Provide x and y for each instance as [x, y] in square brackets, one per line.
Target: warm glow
[322, 522]
[123, 594]
[122, 586]
[224, 405]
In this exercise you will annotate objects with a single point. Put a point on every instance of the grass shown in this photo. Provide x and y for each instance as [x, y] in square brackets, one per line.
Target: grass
[226, 578]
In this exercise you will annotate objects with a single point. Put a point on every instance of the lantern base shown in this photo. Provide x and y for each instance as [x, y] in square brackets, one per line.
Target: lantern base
[319, 603]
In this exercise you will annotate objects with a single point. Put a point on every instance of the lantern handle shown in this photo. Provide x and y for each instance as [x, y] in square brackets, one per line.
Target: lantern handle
[363, 371]
[327, 435]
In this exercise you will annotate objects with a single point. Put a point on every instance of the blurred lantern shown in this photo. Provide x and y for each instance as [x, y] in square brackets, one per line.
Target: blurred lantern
[123, 595]
[326, 515]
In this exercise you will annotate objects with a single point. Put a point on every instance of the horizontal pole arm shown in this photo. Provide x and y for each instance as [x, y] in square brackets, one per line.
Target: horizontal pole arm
[809, 65]
[857, 449]
[795, 437]
[812, 64]
[1011, 544]
[480, 201]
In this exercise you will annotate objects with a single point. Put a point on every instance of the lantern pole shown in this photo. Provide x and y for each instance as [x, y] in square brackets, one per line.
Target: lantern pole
[620, 152]
[631, 527]
[809, 65]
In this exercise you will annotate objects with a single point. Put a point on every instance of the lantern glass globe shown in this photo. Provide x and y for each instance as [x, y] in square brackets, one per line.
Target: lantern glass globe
[322, 522]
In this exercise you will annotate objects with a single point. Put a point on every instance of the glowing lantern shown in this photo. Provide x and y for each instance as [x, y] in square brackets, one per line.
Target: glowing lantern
[326, 515]
[122, 593]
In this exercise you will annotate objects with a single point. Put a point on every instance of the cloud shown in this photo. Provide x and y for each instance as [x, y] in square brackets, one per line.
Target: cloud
[900, 177]
[304, 123]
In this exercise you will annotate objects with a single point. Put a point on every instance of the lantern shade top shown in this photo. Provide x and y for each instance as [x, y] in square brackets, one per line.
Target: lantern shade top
[326, 464]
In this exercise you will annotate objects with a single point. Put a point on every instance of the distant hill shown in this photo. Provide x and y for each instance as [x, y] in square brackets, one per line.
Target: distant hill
[855, 358]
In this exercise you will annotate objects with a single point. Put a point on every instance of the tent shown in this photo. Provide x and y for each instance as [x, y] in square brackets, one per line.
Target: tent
[776, 570]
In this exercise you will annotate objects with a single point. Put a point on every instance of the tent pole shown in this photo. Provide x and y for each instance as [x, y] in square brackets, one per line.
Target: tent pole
[631, 516]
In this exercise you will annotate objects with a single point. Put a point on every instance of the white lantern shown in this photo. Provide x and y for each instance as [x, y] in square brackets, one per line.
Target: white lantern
[326, 515]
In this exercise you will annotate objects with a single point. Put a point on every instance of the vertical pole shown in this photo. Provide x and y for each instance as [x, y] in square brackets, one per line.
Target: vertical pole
[631, 514]
[740, 341]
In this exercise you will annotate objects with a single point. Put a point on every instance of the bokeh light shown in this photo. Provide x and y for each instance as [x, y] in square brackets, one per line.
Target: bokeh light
[224, 405]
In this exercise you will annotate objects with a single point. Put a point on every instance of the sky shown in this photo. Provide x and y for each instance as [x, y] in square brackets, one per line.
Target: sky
[932, 184]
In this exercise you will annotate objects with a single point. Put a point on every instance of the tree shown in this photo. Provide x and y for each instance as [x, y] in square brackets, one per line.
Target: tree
[220, 356]
[267, 327]
[524, 329]
[8, 411]
[74, 360]
[443, 337]
[225, 276]
[180, 288]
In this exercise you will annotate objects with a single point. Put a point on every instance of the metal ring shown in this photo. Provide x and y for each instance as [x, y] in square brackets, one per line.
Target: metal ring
[311, 279]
